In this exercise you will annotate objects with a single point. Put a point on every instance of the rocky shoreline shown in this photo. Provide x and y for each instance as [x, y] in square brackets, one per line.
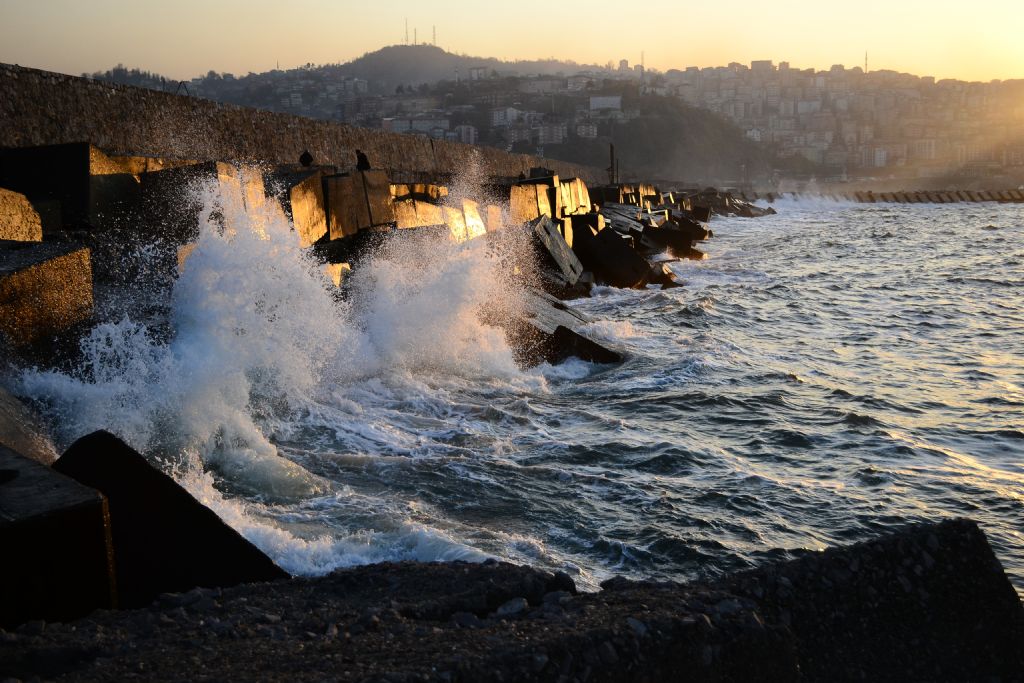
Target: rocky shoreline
[928, 603]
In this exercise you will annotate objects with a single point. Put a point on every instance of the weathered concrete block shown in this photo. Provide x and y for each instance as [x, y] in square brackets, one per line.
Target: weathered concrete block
[21, 432]
[456, 222]
[523, 206]
[377, 187]
[420, 191]
[494, 219]
[701, 213]
[55, 541]
[611, 259]
[405, 214]
[413, 213]
[44, 288]
[474, 223]
[557, 249]
[91, 190]
[18, 220]
[304, 202]
[356, 201]
[337, 272]
[347, 209]
[585, 205]
[546, 330]
[171, 206]
[163, 539]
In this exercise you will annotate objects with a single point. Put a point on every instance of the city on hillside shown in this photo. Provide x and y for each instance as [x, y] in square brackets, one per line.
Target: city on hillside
[840, 124]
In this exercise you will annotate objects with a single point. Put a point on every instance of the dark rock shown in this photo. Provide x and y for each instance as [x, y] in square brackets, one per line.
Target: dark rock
[163, 539]
[513, 607]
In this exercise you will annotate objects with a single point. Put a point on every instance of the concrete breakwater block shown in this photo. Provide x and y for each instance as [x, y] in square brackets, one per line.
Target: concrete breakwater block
[171, 203]
[82, 187]
[536, 197]
[421, 191]
[357, 201]
[556, 250]
[45, 288]
[55, 544]
[543, 329]
[302, 198]
[21, 432]
[19, 221]
[414, 213]
[163, 539]
[611, 258]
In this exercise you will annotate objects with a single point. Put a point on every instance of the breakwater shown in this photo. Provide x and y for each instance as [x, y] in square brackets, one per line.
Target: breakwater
[44, 108]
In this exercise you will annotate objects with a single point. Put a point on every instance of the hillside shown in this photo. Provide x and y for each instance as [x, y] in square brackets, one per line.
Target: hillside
[416, 64]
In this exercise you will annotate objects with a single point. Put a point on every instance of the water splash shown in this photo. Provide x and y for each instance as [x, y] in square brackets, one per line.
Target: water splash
[262, 349]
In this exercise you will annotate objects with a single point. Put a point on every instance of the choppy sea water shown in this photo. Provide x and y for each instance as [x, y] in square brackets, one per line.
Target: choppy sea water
[829, 373]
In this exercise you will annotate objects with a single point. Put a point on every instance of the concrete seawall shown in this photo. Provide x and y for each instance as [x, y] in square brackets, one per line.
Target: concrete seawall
[44, 108]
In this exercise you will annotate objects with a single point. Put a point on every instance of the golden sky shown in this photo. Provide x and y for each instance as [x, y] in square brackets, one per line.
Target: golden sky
[979, 40]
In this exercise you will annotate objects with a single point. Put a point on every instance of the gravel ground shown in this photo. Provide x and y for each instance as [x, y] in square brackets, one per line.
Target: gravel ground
[931, 603]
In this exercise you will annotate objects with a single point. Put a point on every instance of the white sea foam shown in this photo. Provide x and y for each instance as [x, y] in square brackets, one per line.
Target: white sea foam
[261, 349]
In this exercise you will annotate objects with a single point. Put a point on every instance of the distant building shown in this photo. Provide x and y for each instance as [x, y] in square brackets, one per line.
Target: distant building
[504, 116]
[466, 134]
[606, 103]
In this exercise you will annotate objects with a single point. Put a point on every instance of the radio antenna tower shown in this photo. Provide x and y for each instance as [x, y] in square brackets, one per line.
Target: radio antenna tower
[407, 30]
[865, 61]
[435, 36]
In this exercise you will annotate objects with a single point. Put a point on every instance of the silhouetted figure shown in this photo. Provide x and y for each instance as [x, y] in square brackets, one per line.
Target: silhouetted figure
[362, 163]
[306, 159]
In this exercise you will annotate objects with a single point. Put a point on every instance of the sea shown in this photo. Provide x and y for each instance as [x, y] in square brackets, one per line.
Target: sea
[828, 374]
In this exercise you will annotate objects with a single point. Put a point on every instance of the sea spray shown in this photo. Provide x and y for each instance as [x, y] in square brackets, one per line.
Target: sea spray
[262, 349]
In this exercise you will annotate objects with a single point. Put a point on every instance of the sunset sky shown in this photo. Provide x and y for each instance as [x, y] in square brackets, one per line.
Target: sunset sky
[980, 40]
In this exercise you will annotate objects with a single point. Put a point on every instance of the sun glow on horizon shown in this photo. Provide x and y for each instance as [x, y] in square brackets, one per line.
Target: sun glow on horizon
[189, 38]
